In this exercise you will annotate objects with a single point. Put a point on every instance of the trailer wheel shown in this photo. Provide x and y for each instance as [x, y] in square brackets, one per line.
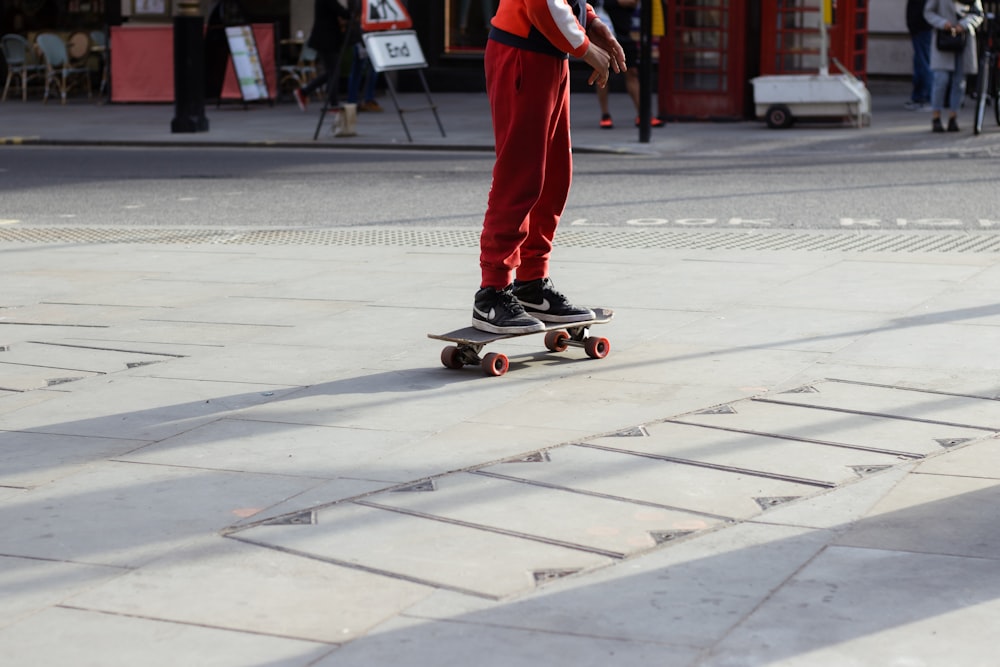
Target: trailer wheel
[778, 117]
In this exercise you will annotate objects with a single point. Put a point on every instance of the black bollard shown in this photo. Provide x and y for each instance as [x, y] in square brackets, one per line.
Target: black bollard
[189, 70]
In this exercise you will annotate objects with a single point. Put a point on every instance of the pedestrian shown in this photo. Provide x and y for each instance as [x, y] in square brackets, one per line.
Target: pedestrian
[920, 37]
[361, 68]
[619, 13]
[951, 67]
[327, 39]
[527, 83]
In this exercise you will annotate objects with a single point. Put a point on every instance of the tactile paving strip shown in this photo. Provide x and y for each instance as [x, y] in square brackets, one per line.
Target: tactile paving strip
[501, 529]
[909, 242]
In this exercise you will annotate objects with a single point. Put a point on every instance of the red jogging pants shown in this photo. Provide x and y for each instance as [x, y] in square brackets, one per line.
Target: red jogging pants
[529, 100]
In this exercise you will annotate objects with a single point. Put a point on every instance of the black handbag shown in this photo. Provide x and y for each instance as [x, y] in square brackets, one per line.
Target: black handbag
[951, 42]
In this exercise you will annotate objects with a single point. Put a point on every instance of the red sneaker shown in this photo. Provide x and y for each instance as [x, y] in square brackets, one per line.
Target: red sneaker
[653, 122]
[606, 122]
[300, 99]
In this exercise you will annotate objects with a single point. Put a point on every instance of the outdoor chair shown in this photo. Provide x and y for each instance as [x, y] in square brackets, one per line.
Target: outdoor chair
[99, 45]
[58, 69]
[301, 72]
[20, 64]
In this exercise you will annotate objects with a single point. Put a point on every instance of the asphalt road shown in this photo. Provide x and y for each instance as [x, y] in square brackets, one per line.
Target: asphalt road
[278, 188]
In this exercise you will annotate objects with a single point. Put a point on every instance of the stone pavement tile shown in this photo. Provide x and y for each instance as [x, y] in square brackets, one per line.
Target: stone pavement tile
[31, 585]
[126, 514]
[741, 371]
[257, 363]
[978, 412]
[434, 553]
[60, 355]
[596, 405]
[61, 637]
[302, 505]
[615, 527]
[974, 305]
[867, 285]
[286, 448]
[718, 493]
[17, 377]
[215, 582]
[802, 329]
[36, 459]
[934, 514]
[831, 466]
[837, 509]
[872, 607]
[942, 346]
[136, 407]
[906, 438]
[977, 459]
[689, 594]
[394, 400]
[447, 643]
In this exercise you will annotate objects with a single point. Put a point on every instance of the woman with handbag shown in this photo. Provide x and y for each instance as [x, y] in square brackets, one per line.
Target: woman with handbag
[953, 54]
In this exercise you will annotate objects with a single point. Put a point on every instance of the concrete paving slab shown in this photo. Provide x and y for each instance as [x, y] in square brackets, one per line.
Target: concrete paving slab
[690, 594]
[662, 484]
[837, 509]
[433, 553]
[911, 439]
[219, 583]
[955, 346]
[595, 405]
[139, 409]
[802, 329]
[975, 459]
[932, 514]
[125, 515]
[34, 459]
[872, 607]
[965, 411]
[319, 452]
[60, 356]
[31, 585]
[741, 371]
[872, 286]
[831, 466]
[17, 377]
[60, 637]
[612, 527]
[446, 643]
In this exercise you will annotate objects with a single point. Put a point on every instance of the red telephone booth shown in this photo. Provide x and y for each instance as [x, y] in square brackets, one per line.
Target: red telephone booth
[790, 36]
[702, 60]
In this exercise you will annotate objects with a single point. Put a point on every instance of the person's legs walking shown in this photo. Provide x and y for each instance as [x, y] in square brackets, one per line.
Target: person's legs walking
[938, 93]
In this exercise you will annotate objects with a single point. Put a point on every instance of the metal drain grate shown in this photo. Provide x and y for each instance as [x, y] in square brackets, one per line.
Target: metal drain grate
[910, 242]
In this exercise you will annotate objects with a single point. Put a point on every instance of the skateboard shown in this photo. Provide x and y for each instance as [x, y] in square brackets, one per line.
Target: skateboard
[469, 342]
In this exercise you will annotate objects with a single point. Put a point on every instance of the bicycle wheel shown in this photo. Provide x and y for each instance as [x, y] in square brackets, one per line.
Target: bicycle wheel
[982, 93]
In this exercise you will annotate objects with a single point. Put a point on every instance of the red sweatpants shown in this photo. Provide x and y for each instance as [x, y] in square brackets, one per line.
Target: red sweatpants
[529, 100]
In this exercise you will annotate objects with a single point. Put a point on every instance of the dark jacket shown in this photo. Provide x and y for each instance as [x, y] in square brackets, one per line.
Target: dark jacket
[915, 21]
[327, 34]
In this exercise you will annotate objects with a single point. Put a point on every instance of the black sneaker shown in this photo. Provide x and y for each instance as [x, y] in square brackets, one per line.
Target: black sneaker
[952, 125]
[540, 298]
[936, 125]
[497, 311]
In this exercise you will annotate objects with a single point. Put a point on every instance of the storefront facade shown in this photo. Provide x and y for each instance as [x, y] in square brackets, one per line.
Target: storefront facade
[704, 64]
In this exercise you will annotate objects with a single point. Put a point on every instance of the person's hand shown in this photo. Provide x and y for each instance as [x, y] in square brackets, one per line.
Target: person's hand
[599, 59]
[601, 35]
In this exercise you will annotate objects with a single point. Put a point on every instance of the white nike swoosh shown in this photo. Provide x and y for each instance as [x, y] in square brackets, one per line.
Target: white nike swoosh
[488, 316]
[543, 306]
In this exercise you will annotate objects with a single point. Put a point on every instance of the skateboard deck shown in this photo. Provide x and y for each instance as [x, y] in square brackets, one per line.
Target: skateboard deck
[469, 342]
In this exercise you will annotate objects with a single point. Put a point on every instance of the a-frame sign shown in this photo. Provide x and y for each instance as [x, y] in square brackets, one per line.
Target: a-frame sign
[384, 15]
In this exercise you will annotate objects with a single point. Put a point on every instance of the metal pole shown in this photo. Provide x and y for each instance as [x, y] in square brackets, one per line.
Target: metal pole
[189, 70]
[645, 69]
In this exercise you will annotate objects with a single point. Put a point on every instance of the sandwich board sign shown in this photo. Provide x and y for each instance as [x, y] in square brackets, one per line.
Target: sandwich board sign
[388, 51]
[384, 15]
[246, 63]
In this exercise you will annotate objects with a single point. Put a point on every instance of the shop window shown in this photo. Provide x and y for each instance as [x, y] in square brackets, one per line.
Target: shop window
[468, 23]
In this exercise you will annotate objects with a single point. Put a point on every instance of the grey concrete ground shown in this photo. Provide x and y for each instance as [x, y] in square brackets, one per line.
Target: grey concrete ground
[223, 450]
